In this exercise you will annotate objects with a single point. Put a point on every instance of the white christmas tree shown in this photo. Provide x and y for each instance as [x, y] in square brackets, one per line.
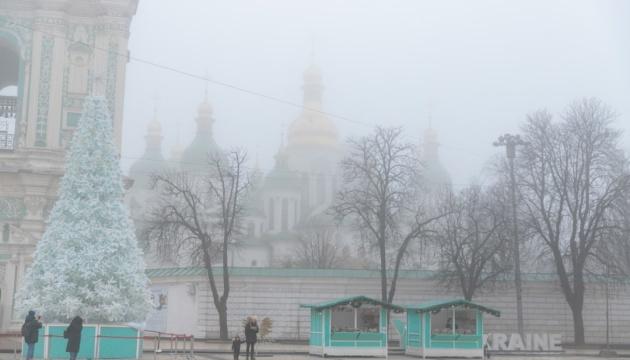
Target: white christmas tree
[88, 262]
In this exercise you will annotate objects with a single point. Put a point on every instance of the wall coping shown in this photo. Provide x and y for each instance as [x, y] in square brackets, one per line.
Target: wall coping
[272, 272]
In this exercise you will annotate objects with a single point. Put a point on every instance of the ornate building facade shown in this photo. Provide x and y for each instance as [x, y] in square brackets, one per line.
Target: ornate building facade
[291, 198]
[53, 53]
[301, 186]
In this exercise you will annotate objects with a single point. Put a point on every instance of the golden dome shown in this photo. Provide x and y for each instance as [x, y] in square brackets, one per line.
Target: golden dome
[313, 128]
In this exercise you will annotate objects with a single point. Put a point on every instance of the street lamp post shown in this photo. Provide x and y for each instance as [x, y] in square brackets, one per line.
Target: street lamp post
[607, 351]
[232, 245]
[511, 142]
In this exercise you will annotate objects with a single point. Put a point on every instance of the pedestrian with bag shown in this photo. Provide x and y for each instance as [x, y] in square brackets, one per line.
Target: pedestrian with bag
[251, 331]
[73, 334]
[30, 332]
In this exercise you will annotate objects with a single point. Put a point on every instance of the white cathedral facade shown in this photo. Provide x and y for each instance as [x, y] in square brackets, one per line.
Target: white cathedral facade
[293, 197]
[300, 186]
[49, 64]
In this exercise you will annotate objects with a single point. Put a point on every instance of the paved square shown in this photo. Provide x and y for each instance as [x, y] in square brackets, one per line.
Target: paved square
[393, 357]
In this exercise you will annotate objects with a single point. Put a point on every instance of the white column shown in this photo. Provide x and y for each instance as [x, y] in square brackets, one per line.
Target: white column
[33, 86]
[8, 292]
[55, 96]
[278, 215]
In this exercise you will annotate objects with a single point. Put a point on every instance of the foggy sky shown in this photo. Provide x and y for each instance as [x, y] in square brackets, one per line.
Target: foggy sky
[475, 67]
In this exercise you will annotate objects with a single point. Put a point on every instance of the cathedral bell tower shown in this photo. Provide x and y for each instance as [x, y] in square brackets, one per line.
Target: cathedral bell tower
[53, 54]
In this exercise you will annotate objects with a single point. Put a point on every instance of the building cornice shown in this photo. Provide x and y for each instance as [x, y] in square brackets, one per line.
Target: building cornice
[41, 161]
[81, 8]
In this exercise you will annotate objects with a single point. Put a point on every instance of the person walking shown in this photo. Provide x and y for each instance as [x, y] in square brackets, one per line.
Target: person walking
[73, 334]
[30, 332]
[251, 331]
[236, 346]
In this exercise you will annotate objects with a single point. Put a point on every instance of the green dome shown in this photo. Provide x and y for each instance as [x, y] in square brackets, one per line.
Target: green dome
[196, 156]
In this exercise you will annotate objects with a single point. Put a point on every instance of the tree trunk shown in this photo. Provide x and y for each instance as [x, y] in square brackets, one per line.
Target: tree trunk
[383, 273]
[468, 293]
[220, 302]
[223, 325]
[578, 323]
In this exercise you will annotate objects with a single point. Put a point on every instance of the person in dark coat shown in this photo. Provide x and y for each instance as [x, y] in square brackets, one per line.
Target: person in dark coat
[236, 346]
[251, 329]
[30, 331]
[73, 334]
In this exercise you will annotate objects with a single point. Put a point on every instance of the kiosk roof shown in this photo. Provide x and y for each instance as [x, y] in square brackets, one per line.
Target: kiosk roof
[350, 301]
[440, 304]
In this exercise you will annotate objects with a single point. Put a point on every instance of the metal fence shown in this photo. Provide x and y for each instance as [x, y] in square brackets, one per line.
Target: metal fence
[169, 344]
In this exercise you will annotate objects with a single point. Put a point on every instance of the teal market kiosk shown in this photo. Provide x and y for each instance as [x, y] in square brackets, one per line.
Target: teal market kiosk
[97, 342]
[351, 326]
[451, 328]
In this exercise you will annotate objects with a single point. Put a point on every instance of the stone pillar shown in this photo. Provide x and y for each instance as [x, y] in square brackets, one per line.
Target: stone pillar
[56, 64]
[8, 291]
[3, 289]
[278, 214]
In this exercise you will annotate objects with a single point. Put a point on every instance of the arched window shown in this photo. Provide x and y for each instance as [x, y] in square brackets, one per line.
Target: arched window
[321, 189]
[285, 214]
[272, 215]
[9, 82]
[251, 229]
[6, 233]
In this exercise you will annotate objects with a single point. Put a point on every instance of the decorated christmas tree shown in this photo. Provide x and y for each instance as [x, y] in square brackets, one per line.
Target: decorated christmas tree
[88, 262]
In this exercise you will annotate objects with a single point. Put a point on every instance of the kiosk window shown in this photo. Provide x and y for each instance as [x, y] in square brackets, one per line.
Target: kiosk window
[363, 319]
[465, 322]
[368, 319]
[342, 318]
[441, 322]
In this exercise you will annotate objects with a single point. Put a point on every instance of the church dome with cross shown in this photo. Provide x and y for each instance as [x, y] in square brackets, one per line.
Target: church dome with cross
[313, 127]
[196, 155]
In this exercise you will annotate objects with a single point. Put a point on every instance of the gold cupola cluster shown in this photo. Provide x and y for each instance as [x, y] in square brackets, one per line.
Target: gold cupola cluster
[313, 127]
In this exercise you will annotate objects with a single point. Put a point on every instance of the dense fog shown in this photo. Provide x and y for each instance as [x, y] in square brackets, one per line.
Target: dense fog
[475, 69]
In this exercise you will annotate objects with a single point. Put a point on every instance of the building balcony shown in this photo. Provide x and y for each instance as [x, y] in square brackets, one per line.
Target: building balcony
[8, 111]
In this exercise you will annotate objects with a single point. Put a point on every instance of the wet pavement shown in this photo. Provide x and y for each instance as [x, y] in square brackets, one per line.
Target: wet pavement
[399, 357]
[228, 356]
[217, 350]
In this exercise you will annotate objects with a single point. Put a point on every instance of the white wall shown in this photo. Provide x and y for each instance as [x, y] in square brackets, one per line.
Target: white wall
[278, 297]
[181, 311]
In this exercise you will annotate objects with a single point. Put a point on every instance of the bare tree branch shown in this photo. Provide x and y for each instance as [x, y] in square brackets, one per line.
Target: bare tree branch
[380, 198]
[472, 240]
[571, 176]
[198, 216]
[317, 246]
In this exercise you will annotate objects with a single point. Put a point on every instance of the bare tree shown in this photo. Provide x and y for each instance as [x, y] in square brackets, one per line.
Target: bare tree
[614, 253]
[472, 239]
[622, 238]
[317, 246]
[380, 198]
[198, 215]
[571, 174]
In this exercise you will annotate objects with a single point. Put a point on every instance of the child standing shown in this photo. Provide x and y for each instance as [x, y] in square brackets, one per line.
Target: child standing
[236, 346]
